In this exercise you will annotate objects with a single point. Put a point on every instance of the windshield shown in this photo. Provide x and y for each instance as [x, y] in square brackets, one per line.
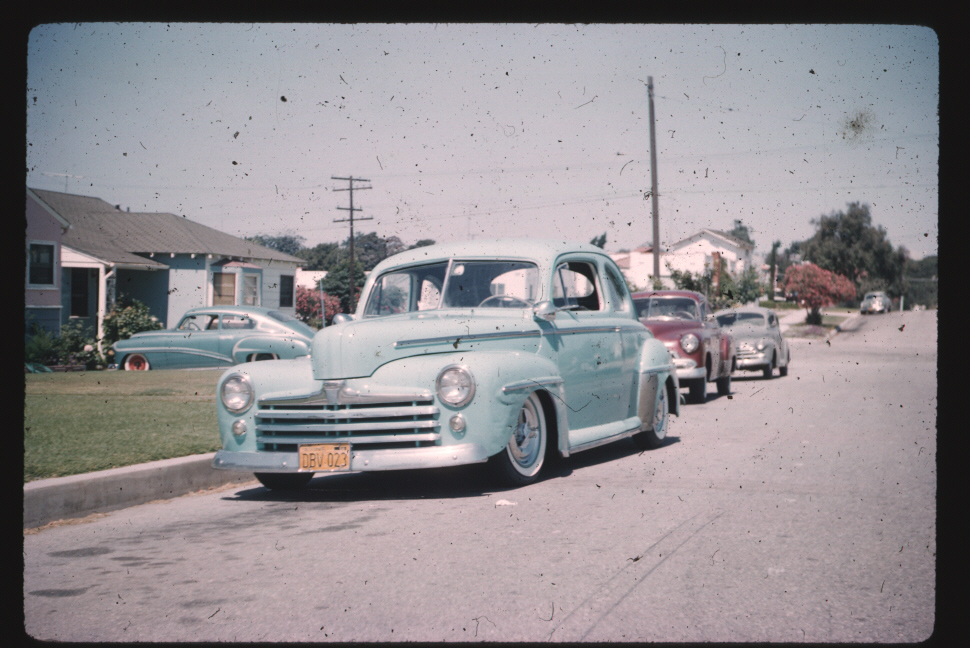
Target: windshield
[734, 319]
[454, 284]
[667, 308]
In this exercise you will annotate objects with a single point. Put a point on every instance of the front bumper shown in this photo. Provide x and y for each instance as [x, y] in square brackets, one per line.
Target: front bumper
[687, 369]
[360, 460]
[752, 361]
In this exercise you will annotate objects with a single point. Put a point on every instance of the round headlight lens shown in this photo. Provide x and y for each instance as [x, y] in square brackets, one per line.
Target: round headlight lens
[237, 393]
[761, 345]
[455, 385]
[689, 343]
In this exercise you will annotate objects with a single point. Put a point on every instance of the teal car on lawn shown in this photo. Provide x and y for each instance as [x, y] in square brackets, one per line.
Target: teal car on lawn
[216, 336]
[506, 352]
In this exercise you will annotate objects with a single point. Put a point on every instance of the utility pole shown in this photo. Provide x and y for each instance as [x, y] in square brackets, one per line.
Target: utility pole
[351, 209]
[653, 185]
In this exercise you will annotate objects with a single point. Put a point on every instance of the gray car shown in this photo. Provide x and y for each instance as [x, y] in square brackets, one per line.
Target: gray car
[875, 302]
[759, 343]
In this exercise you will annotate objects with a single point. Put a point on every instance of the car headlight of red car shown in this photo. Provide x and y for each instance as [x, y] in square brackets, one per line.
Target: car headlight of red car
[689, 343]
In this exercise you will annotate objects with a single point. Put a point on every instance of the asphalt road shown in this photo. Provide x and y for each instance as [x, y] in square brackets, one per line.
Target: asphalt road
[797, 509]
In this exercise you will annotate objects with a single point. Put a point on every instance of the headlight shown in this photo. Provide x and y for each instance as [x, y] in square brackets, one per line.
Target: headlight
[761, 345]
[689, 343]
[237, 393]
[455, 385]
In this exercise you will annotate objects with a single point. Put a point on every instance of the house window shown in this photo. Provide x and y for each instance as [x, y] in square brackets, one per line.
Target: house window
[223, 289]
[41, 264]
[80, 292]
[286, 291]
[250, 290]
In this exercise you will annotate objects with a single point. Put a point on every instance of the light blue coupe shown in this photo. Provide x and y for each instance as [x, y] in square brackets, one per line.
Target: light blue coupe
[506, 352]
[217, 336]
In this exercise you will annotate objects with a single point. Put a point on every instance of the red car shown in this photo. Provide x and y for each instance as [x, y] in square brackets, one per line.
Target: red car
[684, 322]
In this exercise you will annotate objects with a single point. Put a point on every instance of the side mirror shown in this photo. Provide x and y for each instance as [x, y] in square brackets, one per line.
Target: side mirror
[545, 310]
[341, 318]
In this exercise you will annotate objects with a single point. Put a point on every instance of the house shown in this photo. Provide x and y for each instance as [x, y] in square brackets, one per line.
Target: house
[83, 254]
[692, 254]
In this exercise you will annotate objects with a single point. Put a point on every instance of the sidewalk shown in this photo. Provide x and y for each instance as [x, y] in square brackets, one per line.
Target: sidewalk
[59, 498]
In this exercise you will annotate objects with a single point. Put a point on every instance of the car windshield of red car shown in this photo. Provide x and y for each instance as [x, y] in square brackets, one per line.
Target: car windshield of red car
[667, 308]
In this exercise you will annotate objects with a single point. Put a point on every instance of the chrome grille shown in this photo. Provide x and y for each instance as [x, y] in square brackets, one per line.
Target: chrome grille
[385, 425]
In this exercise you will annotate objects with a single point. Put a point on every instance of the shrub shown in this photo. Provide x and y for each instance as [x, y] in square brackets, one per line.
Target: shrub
[129, 316]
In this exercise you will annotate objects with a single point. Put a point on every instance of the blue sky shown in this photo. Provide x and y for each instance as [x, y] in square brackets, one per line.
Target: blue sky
[471, 131]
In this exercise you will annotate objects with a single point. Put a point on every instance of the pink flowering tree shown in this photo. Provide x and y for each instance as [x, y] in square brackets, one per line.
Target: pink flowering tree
[308, 307]
[816, 288]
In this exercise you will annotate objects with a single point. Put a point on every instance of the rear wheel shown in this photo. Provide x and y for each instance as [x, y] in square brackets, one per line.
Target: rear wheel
[654, 437]
[136, 362]
[521, 460]
[262, 356]
[284, 481]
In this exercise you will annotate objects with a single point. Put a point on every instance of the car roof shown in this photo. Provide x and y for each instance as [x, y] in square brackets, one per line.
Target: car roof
[543, 251]
[238, 310]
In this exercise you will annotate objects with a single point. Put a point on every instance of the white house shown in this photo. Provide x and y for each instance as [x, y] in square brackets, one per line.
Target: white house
[691, 254]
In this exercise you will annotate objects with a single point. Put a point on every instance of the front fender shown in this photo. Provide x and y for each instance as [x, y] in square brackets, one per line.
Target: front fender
[655, 368]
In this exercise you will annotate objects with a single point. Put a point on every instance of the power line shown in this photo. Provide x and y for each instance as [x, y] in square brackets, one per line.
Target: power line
[351, 209]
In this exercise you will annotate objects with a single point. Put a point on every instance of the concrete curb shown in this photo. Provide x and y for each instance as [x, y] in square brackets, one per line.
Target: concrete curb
[47, 500]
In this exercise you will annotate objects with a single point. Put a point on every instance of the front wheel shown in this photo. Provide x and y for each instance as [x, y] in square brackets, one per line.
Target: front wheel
[654, 437]
[284, 481]
[521, 460]
[136, 362]
[724, 386]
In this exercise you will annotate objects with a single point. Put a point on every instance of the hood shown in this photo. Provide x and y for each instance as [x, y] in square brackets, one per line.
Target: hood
[671, 330]
[748, 333]
[358, 348]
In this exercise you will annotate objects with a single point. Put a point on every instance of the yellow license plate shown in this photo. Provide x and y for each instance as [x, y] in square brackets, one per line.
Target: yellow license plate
[323, 457]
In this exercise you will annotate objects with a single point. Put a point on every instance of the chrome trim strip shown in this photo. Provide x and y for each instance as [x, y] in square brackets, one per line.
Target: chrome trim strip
[349, 396]
[345, 427]
[353, 440]
[376, 412]
[653, 370]
[466, 338]
[528, 384]
[516, 334]
[186, 351]
[605, 440]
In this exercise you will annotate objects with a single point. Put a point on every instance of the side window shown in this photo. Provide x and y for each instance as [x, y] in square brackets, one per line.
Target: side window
[574, 286]
[198, 322]
[430, 294]
[237, 322]
[616, 289]
[772, 322]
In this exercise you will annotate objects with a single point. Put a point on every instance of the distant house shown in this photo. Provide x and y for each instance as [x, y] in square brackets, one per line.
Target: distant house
[691, 254]
[84, 253]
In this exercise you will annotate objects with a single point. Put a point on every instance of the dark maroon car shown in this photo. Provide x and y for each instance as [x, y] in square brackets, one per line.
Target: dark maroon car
[684, 322]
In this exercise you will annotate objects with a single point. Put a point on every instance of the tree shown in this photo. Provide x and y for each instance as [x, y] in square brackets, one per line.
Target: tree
[740, 231]
[815, 288]
[599, 241]
[421, 243]
[337, 283]
[320, 257]
[846, 243]
[286, 243]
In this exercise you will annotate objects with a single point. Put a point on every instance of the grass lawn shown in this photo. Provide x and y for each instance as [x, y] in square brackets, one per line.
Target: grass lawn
[79, 422]
[830, 319]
